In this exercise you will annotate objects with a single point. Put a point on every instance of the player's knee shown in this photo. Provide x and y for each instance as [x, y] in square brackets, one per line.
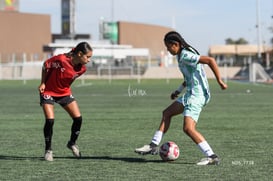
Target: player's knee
[188, 130]
[166, 113]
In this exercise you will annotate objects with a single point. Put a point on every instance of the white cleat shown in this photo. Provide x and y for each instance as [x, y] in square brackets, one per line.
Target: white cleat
[49, 155]
[209, 161]
[147, 149]
[75, 150]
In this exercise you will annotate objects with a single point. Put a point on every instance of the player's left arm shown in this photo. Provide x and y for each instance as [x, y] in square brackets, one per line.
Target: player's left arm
[178, 90]
[210, 61]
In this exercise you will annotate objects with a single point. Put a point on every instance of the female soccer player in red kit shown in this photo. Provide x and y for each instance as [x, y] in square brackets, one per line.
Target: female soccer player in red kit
[58, 73]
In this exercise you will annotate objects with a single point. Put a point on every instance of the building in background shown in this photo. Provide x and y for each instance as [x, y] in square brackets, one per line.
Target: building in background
[138, 35]
[28, 35]
[143, 35]
[23, 35]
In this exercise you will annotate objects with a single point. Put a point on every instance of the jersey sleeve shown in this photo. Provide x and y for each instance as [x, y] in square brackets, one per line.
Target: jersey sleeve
[46, 64]
[189, 57]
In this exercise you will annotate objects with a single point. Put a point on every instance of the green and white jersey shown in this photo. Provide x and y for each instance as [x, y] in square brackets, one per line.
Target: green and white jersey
[194, 75]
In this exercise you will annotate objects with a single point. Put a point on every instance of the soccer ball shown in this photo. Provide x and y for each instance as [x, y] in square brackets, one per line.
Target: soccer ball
[169, 151]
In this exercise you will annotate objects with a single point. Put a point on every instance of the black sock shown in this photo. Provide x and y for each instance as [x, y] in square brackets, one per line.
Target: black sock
[153, 145]
[75, 129]
[213, 156]
[48, 132]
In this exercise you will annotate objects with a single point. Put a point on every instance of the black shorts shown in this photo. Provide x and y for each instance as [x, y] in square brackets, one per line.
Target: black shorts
[63, 101]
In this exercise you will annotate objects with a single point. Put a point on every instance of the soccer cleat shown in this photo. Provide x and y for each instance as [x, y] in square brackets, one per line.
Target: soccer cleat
[147, 149]
[49, 155]
[212, 160]
[75, 149]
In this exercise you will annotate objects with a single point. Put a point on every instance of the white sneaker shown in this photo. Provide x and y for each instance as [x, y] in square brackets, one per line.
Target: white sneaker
[49, 155]
[75, 149]
[147, 149]
[209, 161]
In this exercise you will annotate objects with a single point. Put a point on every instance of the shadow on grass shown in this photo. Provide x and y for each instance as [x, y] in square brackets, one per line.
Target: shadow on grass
[130, 159]
[4, 157]
[125, 159]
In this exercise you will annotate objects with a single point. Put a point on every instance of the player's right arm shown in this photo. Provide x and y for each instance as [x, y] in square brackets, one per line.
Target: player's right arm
[214, 67]
[41, 87]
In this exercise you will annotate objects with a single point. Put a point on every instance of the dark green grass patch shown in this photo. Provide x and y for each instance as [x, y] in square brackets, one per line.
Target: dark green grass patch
[237, 123]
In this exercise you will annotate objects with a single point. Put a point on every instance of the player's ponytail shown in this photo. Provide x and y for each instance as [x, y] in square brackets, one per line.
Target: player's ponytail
[173, 36]
[83, 47]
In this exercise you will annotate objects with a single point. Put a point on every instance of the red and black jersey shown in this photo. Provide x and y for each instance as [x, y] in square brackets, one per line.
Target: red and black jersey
[60, 74]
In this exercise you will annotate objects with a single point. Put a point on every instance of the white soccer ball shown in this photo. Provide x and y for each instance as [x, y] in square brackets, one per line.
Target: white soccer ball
[169, 151]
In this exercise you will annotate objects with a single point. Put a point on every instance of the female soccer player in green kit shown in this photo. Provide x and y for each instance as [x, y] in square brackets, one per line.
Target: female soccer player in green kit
[197, 95]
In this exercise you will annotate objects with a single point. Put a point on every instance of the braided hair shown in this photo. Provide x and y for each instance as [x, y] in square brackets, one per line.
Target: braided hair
[175, 37]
